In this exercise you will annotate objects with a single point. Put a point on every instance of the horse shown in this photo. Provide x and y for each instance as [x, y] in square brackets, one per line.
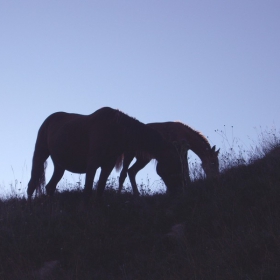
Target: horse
[175, 132]
[83, 143]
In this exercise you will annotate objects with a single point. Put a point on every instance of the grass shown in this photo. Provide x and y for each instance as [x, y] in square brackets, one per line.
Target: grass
[224, 229]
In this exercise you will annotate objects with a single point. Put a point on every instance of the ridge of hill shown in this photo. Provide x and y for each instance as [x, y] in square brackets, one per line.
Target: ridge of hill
[225, 229]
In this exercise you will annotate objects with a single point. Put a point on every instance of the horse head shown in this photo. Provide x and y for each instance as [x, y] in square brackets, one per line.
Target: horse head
[169, 168]
[210, 163]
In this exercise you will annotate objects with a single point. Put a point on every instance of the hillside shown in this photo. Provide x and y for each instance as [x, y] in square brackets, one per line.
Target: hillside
[225, 229]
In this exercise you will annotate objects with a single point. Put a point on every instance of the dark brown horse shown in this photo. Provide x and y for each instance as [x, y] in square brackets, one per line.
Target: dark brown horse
[83, 143]
[175, 131]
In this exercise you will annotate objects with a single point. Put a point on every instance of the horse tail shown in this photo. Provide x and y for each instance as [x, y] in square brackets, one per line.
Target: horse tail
[42, 180]
[39, 162]
[119, 162]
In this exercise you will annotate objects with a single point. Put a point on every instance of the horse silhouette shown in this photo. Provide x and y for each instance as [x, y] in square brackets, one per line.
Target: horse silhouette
[175, 132]
[83, 143]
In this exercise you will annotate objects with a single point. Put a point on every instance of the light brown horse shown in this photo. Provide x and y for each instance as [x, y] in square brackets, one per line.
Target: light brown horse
[175, 131]
[83, 143]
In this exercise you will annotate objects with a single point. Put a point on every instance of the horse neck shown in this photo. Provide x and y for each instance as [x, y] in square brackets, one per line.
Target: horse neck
[176, 131]
[198, 143]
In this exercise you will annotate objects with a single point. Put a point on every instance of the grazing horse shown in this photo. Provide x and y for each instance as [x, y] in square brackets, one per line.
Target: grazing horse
[175, 132]
[83, 143]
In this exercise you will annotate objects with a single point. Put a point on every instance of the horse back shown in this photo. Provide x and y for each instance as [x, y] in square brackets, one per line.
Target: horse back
[74, 136]
[171, 131]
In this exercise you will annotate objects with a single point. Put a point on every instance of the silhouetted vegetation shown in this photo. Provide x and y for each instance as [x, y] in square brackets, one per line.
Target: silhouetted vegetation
[225, 229]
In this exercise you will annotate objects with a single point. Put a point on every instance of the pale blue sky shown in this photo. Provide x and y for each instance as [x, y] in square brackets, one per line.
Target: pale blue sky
[205, 63]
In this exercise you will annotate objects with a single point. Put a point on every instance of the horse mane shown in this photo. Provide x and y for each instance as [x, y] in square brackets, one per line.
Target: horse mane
[197, 134]
[139, 134]
[116, 116]
[122, 118]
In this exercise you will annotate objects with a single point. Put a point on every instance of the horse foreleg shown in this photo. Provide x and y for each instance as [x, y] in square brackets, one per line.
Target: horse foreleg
[133, 170]
[126, 162]
[90, 174]
[105, 172]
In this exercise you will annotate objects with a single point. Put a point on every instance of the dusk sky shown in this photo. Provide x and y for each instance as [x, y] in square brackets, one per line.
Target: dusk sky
[208, 64]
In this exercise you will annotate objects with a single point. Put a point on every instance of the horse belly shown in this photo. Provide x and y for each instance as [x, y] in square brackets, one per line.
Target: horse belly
[71, 161]
[71, 152]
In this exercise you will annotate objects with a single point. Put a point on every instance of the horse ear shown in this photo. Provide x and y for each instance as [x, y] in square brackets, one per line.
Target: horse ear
[213, 149]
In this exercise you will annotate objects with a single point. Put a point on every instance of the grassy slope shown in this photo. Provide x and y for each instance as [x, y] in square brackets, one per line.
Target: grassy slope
[219, 230]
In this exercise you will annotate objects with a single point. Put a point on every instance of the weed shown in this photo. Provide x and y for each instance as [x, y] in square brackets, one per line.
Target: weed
[224, 229]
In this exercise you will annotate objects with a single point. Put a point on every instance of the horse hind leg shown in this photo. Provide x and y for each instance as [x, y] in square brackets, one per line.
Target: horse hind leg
[133, 170]
[57, 175]
[126, 162]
